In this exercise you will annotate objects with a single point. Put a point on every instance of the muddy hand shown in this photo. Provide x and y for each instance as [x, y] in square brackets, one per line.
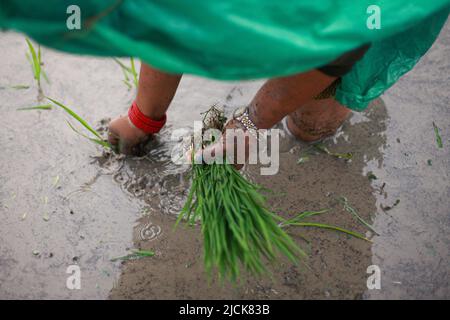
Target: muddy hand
[125, 137]
[223, 145]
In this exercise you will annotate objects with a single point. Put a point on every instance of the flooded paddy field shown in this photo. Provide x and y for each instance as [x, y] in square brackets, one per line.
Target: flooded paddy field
[64, 202]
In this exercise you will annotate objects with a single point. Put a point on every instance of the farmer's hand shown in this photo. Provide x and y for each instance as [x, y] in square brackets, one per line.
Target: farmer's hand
[240, 156]
[125, 137]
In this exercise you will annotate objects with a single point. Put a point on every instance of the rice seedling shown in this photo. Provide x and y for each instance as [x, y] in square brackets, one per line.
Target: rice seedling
[97, 137]
[321, 147]
[128, 72]
[20, 87]
[55, 181]
[353, 212]
[39, 107]
[303, 159]
[35, 59]
[438, 136]
[134, 73]
[299, 222]
[136, 254]
[301, 216]
[327, 226]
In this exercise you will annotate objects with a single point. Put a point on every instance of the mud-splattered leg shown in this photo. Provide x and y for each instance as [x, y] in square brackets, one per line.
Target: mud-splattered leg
[317, 119]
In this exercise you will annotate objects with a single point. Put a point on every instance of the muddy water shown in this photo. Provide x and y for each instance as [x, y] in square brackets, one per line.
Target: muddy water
[62, 202]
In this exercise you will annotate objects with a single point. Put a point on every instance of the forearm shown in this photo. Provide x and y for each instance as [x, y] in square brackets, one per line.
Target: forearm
[156, 91]
[279, 97]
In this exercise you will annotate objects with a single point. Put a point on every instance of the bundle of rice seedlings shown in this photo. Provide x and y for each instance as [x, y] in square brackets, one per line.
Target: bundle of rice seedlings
[238, 230]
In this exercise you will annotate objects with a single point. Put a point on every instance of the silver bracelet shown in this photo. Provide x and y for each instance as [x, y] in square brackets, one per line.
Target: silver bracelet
[242, 116]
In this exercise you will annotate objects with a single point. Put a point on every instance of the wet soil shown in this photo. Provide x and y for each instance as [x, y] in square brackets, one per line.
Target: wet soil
[64, 202]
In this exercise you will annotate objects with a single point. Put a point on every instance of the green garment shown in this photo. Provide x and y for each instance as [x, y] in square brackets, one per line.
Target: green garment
[231, 39]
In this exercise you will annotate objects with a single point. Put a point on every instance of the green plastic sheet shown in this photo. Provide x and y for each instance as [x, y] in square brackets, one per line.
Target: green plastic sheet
[242, 39]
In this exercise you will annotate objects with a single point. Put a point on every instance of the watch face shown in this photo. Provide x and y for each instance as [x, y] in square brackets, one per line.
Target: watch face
[239, 112]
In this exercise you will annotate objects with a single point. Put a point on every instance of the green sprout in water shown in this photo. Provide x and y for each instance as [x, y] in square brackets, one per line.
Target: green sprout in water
[438, 136]
[35, 59]
[314, 148]
[298, 221]
[20, 87]
[354, 213]
[40, 107]
[136, 254]
[321, 147]
[128, 72]
[97, 137]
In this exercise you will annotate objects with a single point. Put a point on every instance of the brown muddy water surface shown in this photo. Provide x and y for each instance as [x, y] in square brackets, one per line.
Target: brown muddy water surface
[62, 202]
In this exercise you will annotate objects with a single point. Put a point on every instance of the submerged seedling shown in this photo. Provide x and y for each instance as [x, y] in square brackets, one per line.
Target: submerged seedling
[438, 136]
[136, 254]
[16, 87]
[321, 147]
[302, 159]
[20, 86]
[55, 181]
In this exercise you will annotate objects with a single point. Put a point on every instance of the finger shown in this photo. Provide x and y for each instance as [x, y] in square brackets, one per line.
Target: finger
[113, 138]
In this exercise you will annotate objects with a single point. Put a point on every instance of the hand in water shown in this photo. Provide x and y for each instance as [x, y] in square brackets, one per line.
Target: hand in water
[125, 137]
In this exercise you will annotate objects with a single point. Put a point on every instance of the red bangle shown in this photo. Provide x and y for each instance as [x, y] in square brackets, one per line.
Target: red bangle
[143, 122]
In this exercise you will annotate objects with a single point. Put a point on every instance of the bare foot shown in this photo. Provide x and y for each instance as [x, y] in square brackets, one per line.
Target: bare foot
[317, 119]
